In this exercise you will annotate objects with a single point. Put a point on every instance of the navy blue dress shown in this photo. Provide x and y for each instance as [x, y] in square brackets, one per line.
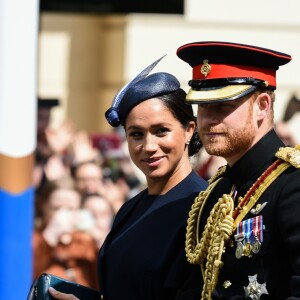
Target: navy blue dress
[143, 256]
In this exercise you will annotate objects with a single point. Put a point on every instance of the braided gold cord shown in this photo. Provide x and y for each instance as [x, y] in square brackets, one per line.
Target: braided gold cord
[192, 244]
[219, 227]
[215, 234]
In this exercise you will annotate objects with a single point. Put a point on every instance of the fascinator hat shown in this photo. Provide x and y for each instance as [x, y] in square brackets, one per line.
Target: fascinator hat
[139, 89]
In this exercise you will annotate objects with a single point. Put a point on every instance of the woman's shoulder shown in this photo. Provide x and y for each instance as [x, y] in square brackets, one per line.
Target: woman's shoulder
[188, 187]
[195, 182]
[132, 201]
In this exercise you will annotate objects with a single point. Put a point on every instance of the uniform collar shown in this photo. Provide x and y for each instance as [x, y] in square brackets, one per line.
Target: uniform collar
[256, 160]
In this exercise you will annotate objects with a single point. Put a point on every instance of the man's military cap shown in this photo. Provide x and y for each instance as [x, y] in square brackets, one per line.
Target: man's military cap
[139, 89]
[225, 71]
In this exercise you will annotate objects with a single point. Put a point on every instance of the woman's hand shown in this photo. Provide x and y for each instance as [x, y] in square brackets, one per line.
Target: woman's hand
[58, 295]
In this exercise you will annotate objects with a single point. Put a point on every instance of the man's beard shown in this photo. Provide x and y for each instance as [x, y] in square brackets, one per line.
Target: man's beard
[230, 143]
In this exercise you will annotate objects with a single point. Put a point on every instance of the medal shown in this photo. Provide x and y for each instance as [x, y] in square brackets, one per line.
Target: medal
[239, 250]
[256, 245]
[249, 237]
[247, 249]
[247, 227]
[254, 289]
[257, 233]
[239, 237]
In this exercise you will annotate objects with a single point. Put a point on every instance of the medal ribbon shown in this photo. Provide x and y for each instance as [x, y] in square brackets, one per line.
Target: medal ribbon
[258, 228]
[249, 229]
[247, 226]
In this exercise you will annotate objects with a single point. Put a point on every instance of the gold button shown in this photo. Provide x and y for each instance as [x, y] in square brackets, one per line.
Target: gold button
[226, 284]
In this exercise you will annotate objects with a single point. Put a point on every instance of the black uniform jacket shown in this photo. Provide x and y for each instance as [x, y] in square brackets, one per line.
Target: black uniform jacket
[143, 256]
[277, 264]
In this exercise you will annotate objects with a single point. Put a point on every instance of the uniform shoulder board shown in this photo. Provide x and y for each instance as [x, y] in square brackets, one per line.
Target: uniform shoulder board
[290, 155]
[218, 174]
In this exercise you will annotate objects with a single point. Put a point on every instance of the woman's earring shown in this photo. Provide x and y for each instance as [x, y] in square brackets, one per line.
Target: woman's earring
[187, 142]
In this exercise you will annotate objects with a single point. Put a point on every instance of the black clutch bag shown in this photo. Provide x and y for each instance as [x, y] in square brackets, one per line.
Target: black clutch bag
[39, 289]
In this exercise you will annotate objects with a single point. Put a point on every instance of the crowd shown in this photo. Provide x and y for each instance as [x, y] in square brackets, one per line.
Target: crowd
[80, 184]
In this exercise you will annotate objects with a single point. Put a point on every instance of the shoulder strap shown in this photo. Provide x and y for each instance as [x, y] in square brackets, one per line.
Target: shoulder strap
[290, 155]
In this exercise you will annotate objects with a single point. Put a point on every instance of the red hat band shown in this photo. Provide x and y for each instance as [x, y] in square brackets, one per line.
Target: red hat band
[217, 71]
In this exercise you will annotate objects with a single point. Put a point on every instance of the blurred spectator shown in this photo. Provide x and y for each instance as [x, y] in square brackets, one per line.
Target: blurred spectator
[292, 107]
[53, 221]
[285, 133]
[88, 177]
[288, 127]
[62, 243]
[51, 143]
[75, 259]
[43, 121]
[83, 150]
[103, 214]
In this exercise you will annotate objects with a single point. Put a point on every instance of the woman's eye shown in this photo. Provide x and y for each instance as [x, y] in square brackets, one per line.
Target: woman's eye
[135, 134]
[162, 131]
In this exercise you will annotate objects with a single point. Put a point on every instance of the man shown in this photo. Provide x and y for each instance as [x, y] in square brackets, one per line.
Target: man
[248, 220]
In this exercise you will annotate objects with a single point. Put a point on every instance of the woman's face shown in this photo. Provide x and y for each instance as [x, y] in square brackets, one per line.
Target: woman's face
[156, 140]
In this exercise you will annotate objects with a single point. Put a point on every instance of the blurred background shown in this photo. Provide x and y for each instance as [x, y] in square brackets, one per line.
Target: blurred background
[64, 171]
[88, 49]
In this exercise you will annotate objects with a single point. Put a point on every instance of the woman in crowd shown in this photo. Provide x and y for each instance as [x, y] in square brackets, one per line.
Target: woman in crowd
[103, 214]
[63, 243]
[143, 256]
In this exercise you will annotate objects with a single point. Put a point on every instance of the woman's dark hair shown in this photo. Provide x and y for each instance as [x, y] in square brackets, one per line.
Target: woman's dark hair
[183, 112]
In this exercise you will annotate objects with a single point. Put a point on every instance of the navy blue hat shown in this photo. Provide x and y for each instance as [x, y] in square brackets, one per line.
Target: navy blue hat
[141, 88]
[225, 71]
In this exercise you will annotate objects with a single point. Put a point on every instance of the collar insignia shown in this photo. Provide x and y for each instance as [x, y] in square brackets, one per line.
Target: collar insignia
[259, 207]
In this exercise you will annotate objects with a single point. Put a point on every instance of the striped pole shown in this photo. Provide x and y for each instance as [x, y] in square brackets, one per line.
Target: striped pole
[18, 98]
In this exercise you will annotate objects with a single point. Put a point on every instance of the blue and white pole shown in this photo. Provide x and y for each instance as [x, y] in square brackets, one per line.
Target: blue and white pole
[18, 102]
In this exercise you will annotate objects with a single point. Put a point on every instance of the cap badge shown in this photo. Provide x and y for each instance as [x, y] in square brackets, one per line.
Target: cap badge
[205, 68]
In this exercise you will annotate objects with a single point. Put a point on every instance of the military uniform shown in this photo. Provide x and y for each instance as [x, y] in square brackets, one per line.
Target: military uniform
[277, 263]
[244, 230]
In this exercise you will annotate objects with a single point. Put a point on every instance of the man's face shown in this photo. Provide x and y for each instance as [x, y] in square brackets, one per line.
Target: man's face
[227, 129]
[88, 178]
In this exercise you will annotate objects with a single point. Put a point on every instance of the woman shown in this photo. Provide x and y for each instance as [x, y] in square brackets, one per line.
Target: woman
[143, 256]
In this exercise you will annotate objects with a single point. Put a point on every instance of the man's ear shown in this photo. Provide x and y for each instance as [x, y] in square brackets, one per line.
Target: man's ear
[263, 105]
